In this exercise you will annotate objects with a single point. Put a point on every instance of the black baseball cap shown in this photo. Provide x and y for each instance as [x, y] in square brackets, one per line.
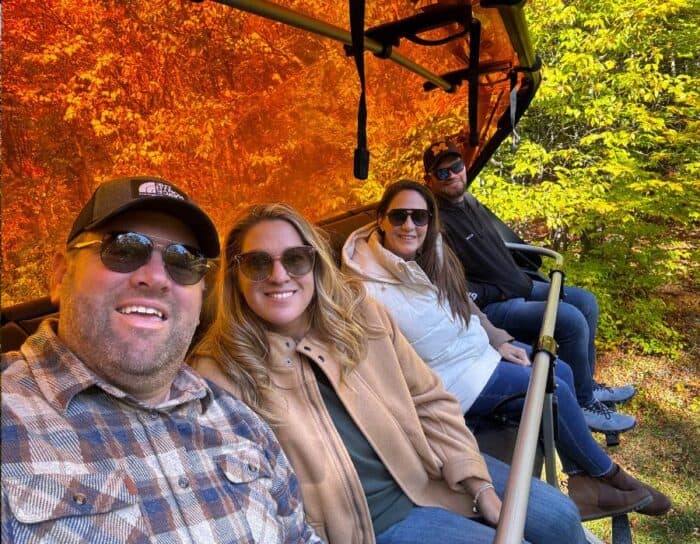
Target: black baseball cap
[117, 196]
[436, 152]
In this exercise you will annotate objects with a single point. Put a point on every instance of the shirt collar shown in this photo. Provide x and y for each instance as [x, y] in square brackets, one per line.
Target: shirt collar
[61, 375]
[444, 204]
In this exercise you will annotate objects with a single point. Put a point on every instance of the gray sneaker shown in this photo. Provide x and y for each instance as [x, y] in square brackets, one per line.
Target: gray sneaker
[602, 419]
[619, 394]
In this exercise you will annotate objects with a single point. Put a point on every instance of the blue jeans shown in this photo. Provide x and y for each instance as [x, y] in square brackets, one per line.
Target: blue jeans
[574, 330]
[577, 449]
[551, 517]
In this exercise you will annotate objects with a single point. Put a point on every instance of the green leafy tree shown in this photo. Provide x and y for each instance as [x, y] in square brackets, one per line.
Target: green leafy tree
[607, 166]
[607, 169]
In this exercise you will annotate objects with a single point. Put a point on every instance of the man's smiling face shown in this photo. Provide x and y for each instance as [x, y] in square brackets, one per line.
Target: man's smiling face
[133, 329]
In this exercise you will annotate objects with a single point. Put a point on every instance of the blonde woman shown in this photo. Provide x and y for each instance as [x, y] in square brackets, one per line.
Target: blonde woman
[380, 448]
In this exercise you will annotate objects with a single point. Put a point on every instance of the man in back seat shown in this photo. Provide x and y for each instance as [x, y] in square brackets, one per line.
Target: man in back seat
[507, 295]
[106, 435]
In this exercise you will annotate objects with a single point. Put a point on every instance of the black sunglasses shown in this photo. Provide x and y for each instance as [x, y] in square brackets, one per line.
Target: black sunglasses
[258, 265]
[398, 216]
[128, 251]
[444, 173]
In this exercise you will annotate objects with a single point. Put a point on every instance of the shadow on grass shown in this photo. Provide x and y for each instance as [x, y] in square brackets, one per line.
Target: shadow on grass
[664, 449]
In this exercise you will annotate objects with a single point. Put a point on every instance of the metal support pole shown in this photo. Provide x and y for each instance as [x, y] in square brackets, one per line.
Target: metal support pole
[514, 511]
[550, 463]
[316, 26]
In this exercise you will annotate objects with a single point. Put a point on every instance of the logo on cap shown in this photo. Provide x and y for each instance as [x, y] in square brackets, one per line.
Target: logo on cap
[156, 188]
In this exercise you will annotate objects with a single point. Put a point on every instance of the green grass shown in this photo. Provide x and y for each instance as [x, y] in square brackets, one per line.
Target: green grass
[664, 449]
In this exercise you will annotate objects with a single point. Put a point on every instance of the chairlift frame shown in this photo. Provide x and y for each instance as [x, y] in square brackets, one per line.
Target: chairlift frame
[510, 13]
[511, 527]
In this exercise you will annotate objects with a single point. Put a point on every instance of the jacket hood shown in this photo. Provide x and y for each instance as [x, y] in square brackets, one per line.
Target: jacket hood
[364, 256]
[359, 255]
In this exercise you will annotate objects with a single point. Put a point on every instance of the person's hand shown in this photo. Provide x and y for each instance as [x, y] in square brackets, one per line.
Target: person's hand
[489, 506]
[514, 354]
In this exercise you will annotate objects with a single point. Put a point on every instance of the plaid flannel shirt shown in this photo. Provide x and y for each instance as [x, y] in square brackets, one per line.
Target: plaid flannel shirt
[84, 462]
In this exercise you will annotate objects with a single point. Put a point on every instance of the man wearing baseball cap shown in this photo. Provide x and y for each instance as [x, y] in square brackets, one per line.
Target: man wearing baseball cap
[507, 295]
[106, 435]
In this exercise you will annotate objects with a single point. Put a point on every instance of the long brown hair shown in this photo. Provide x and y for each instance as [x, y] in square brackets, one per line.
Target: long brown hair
[438, 261]
[237, 339]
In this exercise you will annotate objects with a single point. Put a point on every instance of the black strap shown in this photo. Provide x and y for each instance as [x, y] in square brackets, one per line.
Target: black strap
[513, 110]
[514, 96]
[357, 32]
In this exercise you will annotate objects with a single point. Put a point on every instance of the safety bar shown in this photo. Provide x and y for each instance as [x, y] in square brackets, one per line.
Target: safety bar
[514, 510]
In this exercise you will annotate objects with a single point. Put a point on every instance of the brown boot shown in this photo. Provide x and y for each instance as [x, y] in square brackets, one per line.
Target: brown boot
[660, 503]
[598, 498]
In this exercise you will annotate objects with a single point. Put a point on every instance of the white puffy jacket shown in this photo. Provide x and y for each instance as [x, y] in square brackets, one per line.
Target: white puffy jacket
[461, 356]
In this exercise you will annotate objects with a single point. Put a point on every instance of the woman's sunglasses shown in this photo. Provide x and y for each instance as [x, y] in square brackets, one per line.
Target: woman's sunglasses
[128, 251]
[444, 173]
[258, 265]
[398, 216]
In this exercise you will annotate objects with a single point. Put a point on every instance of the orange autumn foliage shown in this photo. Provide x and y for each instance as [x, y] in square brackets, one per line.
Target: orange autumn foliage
[234, 108]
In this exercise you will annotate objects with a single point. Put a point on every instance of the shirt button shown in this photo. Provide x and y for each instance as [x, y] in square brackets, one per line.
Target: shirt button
[183, 482]
[153, 414]
[79, 499]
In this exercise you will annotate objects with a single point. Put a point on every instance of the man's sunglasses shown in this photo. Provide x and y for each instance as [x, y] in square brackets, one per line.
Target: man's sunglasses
[444, 173]
[128, 251]
[258, 265]
[398, 216]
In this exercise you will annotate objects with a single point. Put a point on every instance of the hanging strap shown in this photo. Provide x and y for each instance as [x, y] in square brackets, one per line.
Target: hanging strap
[357, 32]
[515, 138]
[514, 97]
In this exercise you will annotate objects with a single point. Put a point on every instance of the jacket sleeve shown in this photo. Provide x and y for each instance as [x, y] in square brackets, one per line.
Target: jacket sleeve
[439, 412]
[290, 508]
[484, 293]
[481, 293]
[496, 336]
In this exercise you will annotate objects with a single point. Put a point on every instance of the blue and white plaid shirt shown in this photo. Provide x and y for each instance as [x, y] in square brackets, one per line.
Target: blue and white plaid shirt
[82, 461]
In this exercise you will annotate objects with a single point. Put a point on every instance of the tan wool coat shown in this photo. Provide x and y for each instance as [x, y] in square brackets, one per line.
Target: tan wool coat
[398, 403]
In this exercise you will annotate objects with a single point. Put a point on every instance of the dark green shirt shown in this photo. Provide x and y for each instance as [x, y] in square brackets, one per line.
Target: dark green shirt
[388, 504]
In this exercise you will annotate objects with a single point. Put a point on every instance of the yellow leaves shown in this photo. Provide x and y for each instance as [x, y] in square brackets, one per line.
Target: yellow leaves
[71, 49]
[69, 114]
[53, 53]
[106, 124]
[651, 184]
[695, 408]
[369, 191]
[155, 157]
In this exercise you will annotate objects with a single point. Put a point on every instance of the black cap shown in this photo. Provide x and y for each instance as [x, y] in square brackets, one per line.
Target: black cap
[117, 196]
[438, 151]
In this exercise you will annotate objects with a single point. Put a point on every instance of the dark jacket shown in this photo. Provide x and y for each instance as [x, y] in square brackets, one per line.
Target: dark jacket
[491, 272]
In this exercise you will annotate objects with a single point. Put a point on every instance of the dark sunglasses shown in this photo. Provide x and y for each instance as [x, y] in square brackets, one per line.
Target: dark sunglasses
[128, 251]
[444, 173]
[398, 216]
[258, 265]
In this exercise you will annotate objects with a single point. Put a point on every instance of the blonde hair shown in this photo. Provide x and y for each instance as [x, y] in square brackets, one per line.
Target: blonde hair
[237, 339]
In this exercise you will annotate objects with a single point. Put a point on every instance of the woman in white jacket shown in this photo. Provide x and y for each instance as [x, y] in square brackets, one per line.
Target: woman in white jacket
[405, 265]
